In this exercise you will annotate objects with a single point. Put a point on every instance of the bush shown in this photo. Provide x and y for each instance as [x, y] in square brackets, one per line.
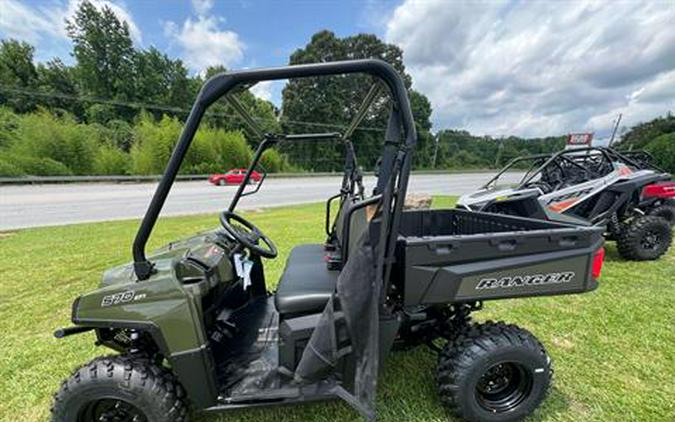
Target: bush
[42, 135]
[111, 161]
[8, 169]
[101, 113]
[38, 166]
[9, 122]
[273, 161]
[153, 143]
[212, 150]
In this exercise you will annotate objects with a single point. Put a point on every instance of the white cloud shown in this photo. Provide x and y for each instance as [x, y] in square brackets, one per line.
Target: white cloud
[538, 68]
[44, 23]
[202, 40]
[204, 44]
[202, 7]
[262, 90]
[25, 23]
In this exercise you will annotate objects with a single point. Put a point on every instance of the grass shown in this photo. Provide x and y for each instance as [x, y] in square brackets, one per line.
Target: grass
[613, 349]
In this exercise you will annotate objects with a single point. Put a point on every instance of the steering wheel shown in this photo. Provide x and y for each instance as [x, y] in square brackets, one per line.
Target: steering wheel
[244, 232]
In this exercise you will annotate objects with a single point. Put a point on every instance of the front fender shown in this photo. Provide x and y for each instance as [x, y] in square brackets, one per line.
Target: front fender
[171, 314]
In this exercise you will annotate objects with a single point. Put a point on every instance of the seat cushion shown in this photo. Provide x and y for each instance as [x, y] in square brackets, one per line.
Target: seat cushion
[306, 284]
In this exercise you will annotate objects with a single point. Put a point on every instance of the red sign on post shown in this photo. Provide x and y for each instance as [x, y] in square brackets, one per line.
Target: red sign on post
[579, 139]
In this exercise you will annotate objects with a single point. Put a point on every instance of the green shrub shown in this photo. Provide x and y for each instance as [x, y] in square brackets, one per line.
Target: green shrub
[215, 150]
[663, 150]
[111, 161]
[101, 113]
[153, 143]
[8, 169]
[212, 150]
[38, 166]
[60, 139]
[273, 161]
[9, 122]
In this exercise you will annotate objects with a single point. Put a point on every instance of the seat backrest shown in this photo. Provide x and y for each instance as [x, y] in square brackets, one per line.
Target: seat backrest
[339, 224]
[357, 225]
[353, 223]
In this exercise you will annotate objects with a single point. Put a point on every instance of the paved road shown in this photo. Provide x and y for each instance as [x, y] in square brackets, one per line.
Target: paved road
[46, 205]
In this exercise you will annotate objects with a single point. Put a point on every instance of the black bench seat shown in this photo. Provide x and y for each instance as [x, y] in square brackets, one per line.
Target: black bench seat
[306, 284]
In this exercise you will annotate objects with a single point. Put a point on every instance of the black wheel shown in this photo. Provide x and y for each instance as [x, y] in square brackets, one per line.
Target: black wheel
[493, 372]
[644, 238]
[664, 211]
[120, 388]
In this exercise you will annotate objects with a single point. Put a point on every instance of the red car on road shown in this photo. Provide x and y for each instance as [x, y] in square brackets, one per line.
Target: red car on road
[234, 177]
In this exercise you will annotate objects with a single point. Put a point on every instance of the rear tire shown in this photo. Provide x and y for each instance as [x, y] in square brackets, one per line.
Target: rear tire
[644, 238]
[221, 182]
[664, 211]
[120, 388]
[493, 372]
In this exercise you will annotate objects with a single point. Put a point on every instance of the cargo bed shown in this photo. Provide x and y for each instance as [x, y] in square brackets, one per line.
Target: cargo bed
[453, 255]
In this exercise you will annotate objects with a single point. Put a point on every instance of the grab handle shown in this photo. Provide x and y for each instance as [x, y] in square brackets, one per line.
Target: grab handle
[443, 248]
[505, 245]
[568, 241]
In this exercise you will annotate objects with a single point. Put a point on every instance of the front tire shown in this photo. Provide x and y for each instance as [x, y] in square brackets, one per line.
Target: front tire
[493, 372]
[120, 388]
[644, 238]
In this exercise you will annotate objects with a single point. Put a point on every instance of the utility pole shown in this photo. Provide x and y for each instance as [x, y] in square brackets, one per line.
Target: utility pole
[616, 126]
[433, 160]
[500, 150]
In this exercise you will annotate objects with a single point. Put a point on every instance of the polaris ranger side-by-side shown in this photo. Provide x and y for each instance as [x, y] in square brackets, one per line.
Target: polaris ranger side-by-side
[196, 328]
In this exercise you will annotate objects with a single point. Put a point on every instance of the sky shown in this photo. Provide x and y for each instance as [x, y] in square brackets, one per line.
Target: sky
[499, 68]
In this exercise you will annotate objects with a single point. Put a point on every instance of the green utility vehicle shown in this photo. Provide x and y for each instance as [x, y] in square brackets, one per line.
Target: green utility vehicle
[196, 328]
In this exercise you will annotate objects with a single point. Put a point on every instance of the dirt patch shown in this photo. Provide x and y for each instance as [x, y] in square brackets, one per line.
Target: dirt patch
[579, 408]
[562, 343]
[4, 235]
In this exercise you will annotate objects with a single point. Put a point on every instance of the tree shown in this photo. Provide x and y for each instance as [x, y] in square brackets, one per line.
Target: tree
[336, 99]
[58, 80]
[641, 134]
[663, 150]
[221, 114]
[104, 52]
[17, 74]
[160, 80]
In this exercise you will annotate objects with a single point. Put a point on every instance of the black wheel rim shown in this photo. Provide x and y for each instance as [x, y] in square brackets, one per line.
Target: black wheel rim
[503, 387]
[651, 240]
[111, 410]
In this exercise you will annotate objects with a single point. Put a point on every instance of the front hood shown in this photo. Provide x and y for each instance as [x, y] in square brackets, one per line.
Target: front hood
[163, 258]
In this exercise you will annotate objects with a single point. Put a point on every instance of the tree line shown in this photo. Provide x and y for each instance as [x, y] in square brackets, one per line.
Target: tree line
[118, 109]
[657, 137]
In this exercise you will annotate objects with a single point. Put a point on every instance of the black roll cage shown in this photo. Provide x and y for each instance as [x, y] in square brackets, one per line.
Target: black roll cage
[609, 154]
[392, 182]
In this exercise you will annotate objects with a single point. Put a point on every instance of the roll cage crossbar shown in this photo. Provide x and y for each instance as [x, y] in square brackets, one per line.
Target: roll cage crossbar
[542, 161]
[394, 178]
